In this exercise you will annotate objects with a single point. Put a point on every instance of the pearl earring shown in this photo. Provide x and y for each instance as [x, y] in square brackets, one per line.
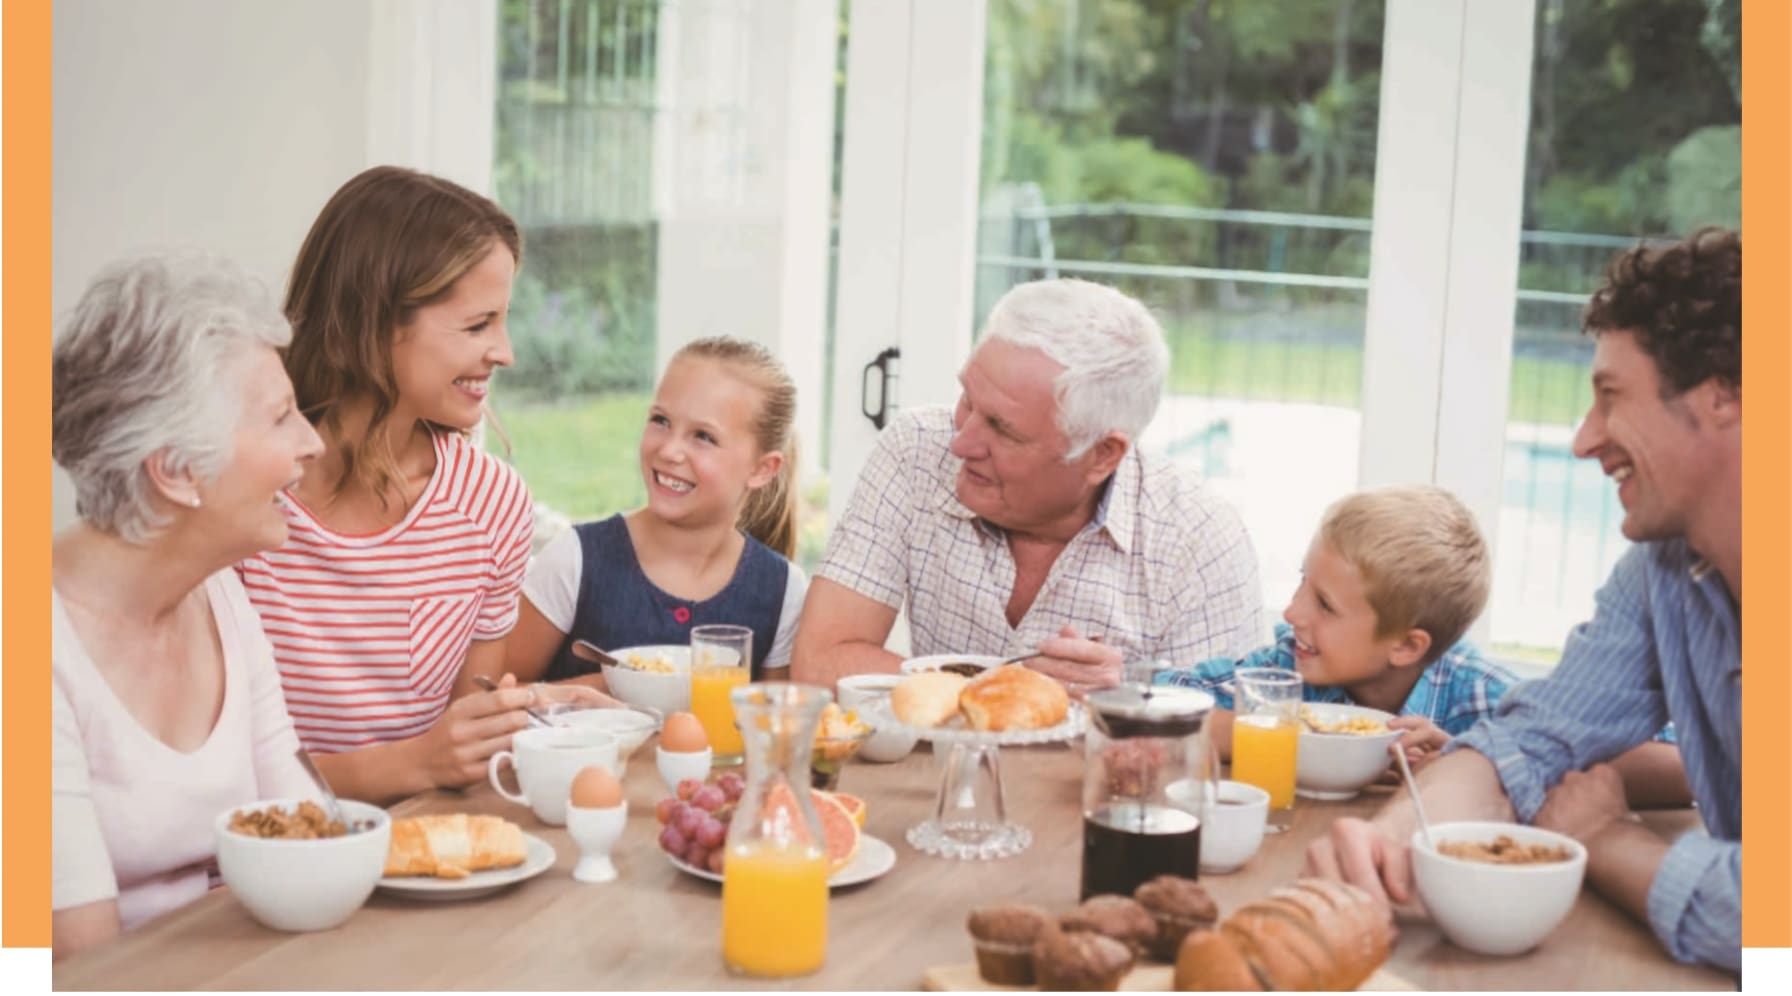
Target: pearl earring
[194, 502]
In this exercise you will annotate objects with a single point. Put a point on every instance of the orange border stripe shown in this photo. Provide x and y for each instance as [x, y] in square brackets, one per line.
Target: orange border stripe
[26, 442]
[1767, 482]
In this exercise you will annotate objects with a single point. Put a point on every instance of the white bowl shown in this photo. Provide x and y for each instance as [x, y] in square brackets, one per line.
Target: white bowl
[1339, 765]
[630, 727]
[887, 743]
[932, 662]
[1496, 909]
[668, 693]
[304, 884]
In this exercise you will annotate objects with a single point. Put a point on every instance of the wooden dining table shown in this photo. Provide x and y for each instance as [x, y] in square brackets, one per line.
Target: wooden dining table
[657, 927]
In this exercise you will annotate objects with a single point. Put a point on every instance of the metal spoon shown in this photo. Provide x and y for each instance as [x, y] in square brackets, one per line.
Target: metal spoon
[323, 786]
[587, 650]
[491, 686]
[1412, 789]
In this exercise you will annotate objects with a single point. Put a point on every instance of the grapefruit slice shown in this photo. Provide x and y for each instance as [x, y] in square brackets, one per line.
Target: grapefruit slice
[853, 805]
[839, 830]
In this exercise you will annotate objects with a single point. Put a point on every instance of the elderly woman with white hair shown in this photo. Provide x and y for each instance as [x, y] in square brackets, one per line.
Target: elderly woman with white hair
[173, 414]
[1026, 521]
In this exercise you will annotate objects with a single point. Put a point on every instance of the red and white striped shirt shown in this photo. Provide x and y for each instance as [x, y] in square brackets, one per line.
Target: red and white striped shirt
[371, 631]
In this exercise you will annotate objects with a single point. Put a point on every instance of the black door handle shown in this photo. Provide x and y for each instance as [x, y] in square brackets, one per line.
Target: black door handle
[885, 364]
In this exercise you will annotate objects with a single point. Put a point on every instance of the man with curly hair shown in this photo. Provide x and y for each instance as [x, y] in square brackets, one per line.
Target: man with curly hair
[1665, 638]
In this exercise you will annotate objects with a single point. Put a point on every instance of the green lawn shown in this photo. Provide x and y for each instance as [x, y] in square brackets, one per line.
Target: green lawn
[579, 454]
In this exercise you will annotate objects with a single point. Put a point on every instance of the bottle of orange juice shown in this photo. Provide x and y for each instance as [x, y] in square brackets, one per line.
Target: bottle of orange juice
[775, 873]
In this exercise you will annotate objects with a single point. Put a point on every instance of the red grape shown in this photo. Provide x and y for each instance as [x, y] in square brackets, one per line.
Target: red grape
[688, 788]
[696, 855]
[672, 842]
[688, 820]
[715, 861]
[663, 810]
[712, 833]
[731, 786]
[708, 798]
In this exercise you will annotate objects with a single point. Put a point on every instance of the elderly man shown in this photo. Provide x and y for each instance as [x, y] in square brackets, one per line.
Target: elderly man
[1026, 520]
[1665, 639]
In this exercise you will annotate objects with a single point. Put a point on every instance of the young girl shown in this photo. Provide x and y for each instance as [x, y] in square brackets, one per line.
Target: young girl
[407, 543]
[710, 546]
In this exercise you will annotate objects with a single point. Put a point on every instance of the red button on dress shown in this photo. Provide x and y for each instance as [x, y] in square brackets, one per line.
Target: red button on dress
[681, 614]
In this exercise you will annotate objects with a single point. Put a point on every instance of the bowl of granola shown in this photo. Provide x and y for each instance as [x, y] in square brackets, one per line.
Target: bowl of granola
[294, 867]
[1497, 888]
[657, 677]
[1342, 749]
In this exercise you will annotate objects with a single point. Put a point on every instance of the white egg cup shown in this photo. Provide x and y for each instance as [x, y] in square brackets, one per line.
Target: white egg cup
[596, 832]
[676, 766]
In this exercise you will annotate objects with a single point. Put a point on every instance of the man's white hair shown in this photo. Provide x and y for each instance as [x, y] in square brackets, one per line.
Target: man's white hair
[1110, 346]
[150, 360]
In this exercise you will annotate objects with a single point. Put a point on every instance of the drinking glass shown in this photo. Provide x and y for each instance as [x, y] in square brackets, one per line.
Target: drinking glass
[1266, 737]
[721, 661]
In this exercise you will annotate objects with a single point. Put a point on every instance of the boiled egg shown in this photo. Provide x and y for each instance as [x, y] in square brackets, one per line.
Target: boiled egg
[595, 788]
[682, 734]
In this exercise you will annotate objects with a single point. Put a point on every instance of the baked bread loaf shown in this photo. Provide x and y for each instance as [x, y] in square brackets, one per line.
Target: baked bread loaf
[1079, 961]
[927, 698]
[1013, 698]
[1316, 934]
[453, 845]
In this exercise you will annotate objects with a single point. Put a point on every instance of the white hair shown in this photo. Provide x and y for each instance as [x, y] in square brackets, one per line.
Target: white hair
[150, 361]
[1110, 346]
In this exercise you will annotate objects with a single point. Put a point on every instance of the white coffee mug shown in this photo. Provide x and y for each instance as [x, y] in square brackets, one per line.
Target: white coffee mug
[546, 761]
[1234, 829]
[886, 743]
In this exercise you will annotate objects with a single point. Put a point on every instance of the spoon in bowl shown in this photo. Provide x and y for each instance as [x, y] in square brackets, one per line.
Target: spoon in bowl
[323, 786]
[491, 686]
[1412, 789]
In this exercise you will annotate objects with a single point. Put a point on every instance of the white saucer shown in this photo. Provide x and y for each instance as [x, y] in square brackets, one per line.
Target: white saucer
[540, 858]
[874, 859]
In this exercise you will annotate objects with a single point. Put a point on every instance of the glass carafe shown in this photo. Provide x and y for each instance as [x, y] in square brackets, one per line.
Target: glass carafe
[1149, 776]
[775, 874]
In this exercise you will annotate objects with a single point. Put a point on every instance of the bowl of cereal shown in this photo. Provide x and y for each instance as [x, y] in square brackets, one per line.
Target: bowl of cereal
[294, 868]
[656, 677]
[1342, 749]
[1497, 888]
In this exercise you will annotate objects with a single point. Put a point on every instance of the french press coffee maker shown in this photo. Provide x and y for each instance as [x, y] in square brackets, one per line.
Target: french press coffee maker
[1149, 775]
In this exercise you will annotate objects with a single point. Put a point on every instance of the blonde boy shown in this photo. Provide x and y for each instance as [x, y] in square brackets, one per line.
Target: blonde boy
[1389, 585]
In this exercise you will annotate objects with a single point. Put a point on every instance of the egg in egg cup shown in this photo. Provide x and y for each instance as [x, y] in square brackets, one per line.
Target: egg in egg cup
[595, 815]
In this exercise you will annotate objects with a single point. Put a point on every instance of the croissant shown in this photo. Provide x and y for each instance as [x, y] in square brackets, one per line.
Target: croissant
[453, 846]
[1013, 698]
[1316, 934]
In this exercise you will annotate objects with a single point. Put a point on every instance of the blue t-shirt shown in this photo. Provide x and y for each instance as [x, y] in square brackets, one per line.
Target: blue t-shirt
[1457, 690]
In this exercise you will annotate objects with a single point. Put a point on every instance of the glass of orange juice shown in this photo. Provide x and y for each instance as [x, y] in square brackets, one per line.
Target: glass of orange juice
[721, 661]
[1266, 737]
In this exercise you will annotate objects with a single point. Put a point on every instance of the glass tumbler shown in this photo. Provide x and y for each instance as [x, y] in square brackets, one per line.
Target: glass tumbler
[721, 661]
[1266, 737]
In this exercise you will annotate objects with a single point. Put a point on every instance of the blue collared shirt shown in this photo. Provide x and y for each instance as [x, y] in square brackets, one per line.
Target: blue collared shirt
[1457, 690]
[1665, 642]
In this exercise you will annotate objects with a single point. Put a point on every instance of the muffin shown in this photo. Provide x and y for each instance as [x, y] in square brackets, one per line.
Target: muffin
[1003, 938]
[1079, 961]
[1178, 905]
[1118, 917]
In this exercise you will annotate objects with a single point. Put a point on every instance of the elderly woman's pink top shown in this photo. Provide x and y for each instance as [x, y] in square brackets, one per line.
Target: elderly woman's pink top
[131, 817]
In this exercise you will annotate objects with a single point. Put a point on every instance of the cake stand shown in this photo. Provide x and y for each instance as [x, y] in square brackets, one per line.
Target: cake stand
[970, 820]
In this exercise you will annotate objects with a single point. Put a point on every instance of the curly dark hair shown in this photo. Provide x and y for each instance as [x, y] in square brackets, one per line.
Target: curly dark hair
[1683, 303]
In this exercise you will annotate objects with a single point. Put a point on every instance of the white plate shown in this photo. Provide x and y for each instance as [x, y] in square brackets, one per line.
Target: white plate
[874, 859]
[540, 858]
[933, 662]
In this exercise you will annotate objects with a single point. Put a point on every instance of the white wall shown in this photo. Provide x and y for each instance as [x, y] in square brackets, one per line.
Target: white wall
[225, 124]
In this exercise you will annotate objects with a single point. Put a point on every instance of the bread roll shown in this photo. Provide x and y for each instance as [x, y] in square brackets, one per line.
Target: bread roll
[1014, 698]
[1314, 935]
[453, 845]
[927, 698]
